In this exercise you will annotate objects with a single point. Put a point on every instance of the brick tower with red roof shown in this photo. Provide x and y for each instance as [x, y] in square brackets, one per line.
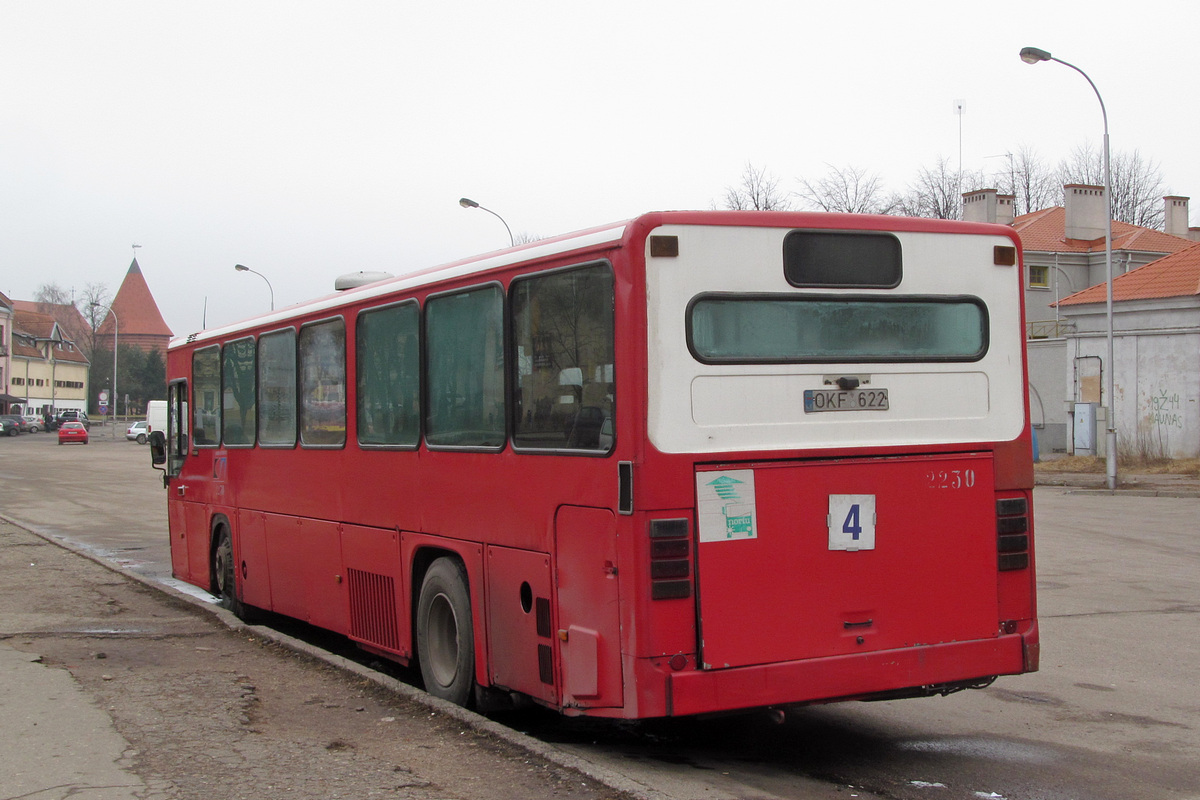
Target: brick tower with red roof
[139, 322]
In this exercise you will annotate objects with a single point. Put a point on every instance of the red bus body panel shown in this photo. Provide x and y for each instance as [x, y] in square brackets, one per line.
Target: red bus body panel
[786, 595]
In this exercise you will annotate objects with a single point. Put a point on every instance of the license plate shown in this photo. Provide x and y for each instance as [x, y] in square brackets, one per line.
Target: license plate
[845, 400]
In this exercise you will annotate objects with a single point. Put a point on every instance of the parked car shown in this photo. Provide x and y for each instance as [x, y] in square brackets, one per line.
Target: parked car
[73, 415]
[7, 428]
[16, 424]
[138, 431]
[35, 422]
[72, 432]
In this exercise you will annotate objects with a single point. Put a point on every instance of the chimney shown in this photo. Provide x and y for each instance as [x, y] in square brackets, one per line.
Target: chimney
[1175, 216]
[987, 205]
[1086, 210]
[1194, 234]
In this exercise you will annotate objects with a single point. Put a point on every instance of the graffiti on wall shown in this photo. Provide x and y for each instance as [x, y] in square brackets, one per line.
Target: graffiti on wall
[1165, 409]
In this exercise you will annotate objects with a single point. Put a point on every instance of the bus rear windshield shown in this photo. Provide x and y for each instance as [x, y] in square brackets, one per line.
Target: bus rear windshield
[777, 329]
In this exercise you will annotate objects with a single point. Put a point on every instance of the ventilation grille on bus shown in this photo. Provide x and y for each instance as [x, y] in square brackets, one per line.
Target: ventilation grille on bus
[373, 609]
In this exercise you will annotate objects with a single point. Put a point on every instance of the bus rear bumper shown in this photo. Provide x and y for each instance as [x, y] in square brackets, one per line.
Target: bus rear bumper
[844, 677]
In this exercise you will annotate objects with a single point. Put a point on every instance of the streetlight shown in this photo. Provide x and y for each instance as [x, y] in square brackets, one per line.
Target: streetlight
[241, 268]
[466, 202]
[1032, 55]
[116, 333]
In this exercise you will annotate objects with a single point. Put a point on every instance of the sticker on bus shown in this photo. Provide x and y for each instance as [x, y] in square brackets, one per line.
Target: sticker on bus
[726, 505]
[851, 522]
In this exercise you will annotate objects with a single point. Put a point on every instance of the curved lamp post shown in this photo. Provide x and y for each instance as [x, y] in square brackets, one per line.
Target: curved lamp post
[1032, 55]
[466, 202]
[116, 333]
[270, 288]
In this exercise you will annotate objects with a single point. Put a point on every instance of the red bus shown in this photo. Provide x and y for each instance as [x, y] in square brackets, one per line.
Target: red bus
[693, 462]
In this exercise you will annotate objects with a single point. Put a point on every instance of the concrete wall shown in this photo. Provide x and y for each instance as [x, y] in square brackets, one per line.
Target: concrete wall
[1156, 346]
[1048, 392]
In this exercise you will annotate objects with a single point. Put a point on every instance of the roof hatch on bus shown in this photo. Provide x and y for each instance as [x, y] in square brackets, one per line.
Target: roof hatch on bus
[842, 260]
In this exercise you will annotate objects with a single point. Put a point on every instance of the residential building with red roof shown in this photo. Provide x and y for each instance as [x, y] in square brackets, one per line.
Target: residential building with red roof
[46, 371]
[74, 326]
[134, 318]
[1064, 256]
[1064, 245]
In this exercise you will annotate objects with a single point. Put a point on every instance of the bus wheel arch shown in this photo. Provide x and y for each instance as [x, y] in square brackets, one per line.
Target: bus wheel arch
[445, 630]
[222, 567]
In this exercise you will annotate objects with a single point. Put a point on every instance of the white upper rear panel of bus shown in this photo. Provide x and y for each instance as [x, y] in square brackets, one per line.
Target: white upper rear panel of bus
[725, 407]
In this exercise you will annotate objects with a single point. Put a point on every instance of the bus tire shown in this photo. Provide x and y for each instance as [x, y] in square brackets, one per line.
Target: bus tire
[445, 636]
[224, 574]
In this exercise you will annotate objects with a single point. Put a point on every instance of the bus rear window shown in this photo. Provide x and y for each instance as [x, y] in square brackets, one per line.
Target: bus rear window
[841, 259]
[776, 329]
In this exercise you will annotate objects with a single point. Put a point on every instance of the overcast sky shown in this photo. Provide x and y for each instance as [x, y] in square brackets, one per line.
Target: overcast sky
[311, 139]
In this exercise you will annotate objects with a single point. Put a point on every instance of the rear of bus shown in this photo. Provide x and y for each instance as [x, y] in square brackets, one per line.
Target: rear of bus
[844, 401]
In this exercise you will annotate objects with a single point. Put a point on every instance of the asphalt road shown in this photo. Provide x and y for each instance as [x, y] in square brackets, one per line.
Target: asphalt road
[1112, 714]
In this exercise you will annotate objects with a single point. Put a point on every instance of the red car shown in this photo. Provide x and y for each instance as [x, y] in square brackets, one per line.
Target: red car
[72, 432]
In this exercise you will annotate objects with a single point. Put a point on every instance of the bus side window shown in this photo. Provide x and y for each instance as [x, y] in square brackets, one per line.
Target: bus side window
[277, 388]
[389, 376]
[206, 396]
[464, 345]
[563, 332]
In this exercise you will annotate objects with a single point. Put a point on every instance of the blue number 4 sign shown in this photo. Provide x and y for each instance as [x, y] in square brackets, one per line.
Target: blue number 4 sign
[851, 522]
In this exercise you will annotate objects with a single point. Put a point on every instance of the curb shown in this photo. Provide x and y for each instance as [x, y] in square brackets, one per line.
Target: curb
[1127, 490]
[535, 747]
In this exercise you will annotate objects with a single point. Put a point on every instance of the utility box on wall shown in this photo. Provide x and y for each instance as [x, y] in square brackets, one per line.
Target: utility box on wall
[1085, 429]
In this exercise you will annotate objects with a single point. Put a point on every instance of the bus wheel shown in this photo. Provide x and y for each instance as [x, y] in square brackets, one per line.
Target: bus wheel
[224, 573]
[445, 636]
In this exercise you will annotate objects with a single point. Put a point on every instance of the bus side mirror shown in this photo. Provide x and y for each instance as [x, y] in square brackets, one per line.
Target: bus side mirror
[158, 448]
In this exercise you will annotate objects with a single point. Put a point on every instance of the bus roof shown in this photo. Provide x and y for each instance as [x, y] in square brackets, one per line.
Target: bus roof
[611, 234]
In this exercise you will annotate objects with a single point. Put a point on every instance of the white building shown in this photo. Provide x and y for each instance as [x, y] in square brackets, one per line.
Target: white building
[1156, 347]
[1064, 254]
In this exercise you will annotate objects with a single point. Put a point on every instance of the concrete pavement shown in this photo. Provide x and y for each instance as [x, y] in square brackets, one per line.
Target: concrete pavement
[57, 743]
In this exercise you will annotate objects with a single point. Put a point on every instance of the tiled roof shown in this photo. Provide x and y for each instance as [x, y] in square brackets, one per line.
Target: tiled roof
[4, 301]
[21, 349]
[1176, 275]
[136, 311]
[1044, 231]
[40, 326]
[70, 322]
[73, 354]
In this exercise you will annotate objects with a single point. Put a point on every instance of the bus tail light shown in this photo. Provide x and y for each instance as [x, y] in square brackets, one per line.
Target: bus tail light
[670, 559]
[1012, 533]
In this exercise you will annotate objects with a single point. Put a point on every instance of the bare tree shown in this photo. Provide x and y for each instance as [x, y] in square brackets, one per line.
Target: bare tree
[758, 191]
[53, 294]
[1033, 185]
[850, 189]
[1137, 184]
[937, 192]
[94, 308]
[62, 305]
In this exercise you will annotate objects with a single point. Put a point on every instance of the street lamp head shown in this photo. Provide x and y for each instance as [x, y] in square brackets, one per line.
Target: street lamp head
[241, 268]
[1032, 55]
[466, 202]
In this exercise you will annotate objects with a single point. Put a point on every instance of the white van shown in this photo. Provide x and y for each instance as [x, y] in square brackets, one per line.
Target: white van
[156, 416]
